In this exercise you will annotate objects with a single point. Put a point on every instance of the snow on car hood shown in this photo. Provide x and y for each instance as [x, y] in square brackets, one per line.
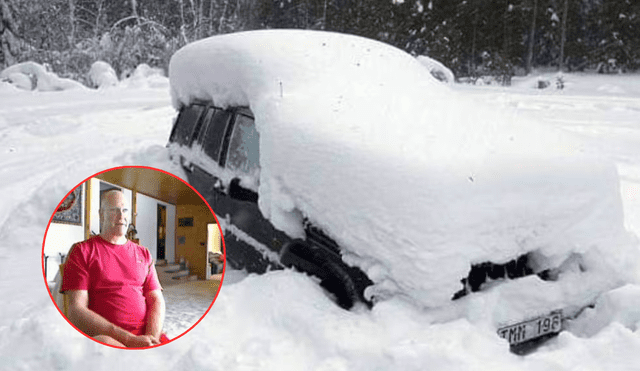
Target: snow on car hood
[414, 181]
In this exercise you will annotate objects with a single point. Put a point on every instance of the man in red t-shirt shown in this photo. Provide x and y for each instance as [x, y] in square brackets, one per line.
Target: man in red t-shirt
[113, 287]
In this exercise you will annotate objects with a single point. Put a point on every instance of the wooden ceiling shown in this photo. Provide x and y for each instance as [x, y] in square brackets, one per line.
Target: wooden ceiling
[154, 184]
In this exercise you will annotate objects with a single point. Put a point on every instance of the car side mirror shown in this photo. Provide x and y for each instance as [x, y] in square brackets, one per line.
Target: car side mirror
[238, 192]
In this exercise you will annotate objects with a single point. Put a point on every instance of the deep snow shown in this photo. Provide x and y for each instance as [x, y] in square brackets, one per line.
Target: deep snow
[51, 141]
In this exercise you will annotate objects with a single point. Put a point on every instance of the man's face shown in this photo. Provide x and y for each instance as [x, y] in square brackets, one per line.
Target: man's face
[115, 214]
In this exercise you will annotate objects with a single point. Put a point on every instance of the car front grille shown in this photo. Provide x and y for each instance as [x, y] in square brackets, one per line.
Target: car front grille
[483, 272]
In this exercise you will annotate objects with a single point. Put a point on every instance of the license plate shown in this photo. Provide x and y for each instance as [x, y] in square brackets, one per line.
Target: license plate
[528, 330]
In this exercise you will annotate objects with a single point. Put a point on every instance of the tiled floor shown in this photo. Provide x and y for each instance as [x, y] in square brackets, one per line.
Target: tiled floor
[186, 301]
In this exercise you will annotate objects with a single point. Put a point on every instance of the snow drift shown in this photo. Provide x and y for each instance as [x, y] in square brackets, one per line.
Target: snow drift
[102, 75]
[413, 180]
[44, 80]
[145, 76]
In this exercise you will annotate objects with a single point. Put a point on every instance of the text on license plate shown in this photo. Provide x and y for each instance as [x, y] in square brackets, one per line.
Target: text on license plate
[532, 329]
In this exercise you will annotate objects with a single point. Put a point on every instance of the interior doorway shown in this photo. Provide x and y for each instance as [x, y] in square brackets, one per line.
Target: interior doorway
[214, 249]
[162, 232]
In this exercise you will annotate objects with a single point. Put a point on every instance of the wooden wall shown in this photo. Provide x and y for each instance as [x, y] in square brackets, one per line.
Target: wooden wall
[194, 248]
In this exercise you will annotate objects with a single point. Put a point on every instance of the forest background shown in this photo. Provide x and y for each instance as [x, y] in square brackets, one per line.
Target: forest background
[500, 38]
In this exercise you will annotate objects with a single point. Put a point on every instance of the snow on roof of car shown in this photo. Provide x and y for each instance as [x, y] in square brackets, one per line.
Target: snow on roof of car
[415, 181]
[437, 69]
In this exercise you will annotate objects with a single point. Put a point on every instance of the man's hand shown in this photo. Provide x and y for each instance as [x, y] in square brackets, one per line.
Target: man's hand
[141, 341]
[94, 325]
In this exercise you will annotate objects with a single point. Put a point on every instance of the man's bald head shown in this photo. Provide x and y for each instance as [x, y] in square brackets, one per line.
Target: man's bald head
[114, 214]
[108, 197]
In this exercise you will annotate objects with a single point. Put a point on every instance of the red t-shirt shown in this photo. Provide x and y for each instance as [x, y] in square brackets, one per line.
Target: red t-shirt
[117, 278]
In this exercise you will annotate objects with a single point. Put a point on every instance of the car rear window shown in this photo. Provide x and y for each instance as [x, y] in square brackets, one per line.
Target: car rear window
[187, 120]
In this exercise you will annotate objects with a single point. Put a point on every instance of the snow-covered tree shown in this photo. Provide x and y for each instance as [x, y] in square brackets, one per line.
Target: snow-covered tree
[9, 46]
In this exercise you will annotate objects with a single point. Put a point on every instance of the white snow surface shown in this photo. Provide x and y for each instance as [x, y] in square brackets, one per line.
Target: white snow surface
[44, 80]
[414, 180]
[102, 75]
[20, 80]
[145, 76]
[51, 141]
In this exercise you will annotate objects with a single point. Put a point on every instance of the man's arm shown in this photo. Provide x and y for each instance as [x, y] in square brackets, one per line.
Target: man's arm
[155, 313]
[93, 324]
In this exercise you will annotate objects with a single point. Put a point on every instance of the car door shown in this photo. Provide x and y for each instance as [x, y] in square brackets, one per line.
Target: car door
[256, 242]
[205, 154]
[223, 165]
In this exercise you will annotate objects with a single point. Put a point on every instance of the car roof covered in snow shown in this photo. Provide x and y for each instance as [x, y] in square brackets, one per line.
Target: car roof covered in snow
[415, 181]
[235, 69]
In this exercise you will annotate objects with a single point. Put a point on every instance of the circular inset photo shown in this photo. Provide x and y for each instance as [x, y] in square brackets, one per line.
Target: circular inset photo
[133, 257]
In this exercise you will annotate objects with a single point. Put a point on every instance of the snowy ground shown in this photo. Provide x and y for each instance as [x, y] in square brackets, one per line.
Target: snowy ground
[603, 109]
[50, 141]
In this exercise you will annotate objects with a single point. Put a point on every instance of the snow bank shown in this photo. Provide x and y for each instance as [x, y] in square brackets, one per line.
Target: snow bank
[20, 80]
[412, 179]
[299, 328]
[582, 84]
[102, 75]
[543, 81]
[45, 81]
[621, 306]
[145, 76]
[7, 87]
[437, 69]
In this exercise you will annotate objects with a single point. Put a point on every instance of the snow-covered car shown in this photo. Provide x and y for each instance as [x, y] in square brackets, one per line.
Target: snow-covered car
[345, 158]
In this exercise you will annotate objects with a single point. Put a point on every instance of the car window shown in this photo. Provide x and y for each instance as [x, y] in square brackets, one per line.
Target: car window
[217, 120]
[187, 120]
[244, 155]
[200, 133]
